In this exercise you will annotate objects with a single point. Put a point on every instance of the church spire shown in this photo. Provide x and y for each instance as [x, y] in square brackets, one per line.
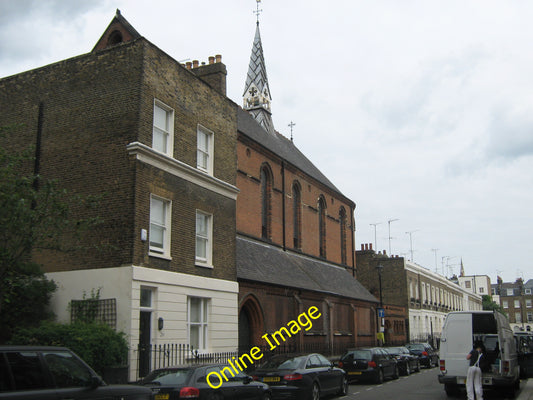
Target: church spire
[256, 96]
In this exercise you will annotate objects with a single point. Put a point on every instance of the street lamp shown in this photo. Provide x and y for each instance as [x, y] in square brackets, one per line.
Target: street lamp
[381, 314]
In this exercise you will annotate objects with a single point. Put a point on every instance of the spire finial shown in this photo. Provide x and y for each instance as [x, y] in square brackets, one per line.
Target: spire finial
[257, 11]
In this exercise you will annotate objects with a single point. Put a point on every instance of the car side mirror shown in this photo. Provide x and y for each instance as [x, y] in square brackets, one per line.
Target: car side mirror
[96, 381]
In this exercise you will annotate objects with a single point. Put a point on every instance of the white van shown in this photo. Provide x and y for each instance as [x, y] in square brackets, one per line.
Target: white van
[461, 329]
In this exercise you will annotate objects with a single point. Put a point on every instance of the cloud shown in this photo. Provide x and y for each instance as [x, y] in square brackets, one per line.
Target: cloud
[510, 135]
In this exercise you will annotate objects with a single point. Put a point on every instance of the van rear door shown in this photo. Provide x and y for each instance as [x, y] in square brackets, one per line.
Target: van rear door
[456, 343]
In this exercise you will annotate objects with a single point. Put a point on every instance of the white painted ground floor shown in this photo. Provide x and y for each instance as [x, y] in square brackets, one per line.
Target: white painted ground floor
[156, 307]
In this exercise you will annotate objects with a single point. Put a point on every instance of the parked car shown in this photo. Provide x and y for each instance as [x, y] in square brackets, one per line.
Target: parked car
[426, 354]
[301, 376]
[407, 362]
[369, 364]
[30, 372]
[200, 381]
[524, 348]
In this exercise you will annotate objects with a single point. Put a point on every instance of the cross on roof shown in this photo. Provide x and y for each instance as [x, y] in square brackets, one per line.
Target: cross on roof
[258, 11]
[291, 125]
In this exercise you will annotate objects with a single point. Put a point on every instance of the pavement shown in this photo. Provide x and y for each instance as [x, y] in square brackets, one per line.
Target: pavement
[527, 390]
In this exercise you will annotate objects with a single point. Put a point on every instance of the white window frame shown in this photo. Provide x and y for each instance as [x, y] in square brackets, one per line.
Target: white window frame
[518, 317]
[505, 304]
[510, 292]
[203, 323]
[208, 152]
[527, 291]
[528, 303]
[517, 304]
[168, 130]
[206, 237]
[156, 251]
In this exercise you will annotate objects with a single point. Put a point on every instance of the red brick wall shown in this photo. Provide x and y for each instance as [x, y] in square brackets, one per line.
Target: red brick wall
[250, 158]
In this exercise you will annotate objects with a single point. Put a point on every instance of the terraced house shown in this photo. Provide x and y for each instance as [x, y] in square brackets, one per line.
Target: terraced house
[157, 142]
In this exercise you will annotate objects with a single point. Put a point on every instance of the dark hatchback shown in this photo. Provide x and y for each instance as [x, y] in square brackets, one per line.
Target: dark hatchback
[46, 373]
[369, 364]
[427, 356]
[191, 382]
[407, 362]
[303, 376]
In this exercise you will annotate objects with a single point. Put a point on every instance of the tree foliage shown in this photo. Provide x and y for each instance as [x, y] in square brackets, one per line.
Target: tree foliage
[34, 215]
[489, 304]
[97, 344]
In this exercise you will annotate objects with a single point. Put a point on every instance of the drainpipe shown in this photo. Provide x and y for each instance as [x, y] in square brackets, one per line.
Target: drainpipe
[283, 201]
[352, 211]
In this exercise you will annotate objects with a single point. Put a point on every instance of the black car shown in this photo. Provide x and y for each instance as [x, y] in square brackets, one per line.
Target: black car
[407, 362]
[46, 373]
[427, 356]
[302, 376]
[369, 364]
[204, 382]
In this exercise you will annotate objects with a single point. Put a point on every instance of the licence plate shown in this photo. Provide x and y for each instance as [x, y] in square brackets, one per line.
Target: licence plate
[271, 379]
[354, 373]
[163, 396]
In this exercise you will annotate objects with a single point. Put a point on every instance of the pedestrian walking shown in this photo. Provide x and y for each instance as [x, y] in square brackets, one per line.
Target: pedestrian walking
[473, 376]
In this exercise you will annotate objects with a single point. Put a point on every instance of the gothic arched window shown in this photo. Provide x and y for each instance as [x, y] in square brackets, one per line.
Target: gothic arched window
[297, 216]
[266, 202]
[322, 226]
[342, 219]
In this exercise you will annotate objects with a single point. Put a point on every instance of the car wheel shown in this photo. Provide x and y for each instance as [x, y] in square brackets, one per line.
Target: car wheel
[343, 390]
[267, 396]
[379, 376]
[396, 373]
[315, 393]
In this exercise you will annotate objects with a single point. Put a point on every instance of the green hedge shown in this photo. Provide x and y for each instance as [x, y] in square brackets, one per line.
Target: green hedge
[97, 344]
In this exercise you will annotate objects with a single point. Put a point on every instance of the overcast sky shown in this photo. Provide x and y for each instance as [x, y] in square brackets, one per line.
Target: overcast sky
[418, 111]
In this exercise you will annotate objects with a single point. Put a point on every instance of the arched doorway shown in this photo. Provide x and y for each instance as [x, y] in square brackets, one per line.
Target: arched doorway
[251, 323]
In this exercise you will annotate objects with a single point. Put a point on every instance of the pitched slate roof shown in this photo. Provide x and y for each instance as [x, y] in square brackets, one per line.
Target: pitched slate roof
[261, 262]
[280, 145]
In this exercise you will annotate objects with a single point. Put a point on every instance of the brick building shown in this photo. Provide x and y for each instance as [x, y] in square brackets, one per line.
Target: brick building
[516, 300]
[418, 298]
[157, 140]
[295, 235]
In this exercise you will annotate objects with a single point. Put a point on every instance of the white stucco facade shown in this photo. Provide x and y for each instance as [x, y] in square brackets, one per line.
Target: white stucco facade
[170, 292]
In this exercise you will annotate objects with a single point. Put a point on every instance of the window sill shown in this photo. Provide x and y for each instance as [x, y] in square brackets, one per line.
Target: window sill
[202, 264]
[159, 255]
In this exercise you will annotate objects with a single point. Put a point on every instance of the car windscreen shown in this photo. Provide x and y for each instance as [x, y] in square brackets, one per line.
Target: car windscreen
[171, 376]
[416, 346]
[394, 350]
[358, 355]
[285, 362]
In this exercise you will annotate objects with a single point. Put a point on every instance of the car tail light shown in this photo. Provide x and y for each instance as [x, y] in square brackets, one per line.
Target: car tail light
[442, 364]
[189, 393]
[292, 377]
[372, 364]
[255, 377]
[340, 364]
[425, 353]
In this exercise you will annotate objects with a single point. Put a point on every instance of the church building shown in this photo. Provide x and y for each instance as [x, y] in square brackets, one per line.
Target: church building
[295, 235]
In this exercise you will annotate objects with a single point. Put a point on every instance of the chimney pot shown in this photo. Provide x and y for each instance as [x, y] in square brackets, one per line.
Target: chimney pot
[370, 246]
[211, 60]
[218, 58]
[188, 64]
[195, 63]
[362, 246]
